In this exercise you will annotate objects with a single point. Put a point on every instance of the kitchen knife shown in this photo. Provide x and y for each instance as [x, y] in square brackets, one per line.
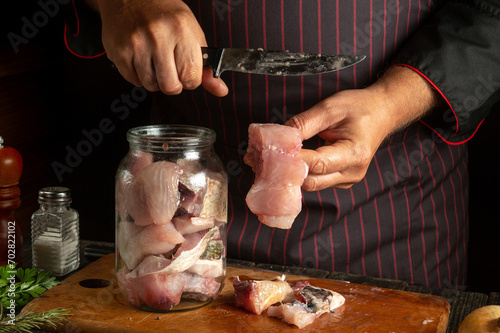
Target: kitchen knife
[258, 61]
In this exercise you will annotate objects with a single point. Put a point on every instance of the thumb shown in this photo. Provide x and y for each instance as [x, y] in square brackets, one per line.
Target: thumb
[213, 85]
[312, 121]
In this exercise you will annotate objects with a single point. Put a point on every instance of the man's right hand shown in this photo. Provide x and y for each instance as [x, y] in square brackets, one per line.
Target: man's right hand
[156, 44]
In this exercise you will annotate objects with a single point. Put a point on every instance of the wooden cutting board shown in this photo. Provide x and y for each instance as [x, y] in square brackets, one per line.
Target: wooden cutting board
[367, 308]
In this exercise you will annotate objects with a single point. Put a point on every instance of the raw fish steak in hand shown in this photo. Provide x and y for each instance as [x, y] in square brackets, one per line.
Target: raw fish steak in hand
[275, 197]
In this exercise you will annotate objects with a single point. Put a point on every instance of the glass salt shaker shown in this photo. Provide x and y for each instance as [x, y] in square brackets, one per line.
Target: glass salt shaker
[55, 232]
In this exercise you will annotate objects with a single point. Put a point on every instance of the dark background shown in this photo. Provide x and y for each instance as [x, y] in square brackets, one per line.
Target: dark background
[50, 98]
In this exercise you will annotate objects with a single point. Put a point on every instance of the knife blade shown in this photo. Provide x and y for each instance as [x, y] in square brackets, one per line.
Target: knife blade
[258, 61]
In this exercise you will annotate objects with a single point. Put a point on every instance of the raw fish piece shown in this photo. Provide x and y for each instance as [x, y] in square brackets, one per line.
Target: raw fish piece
[147, 286]
[201, 288]
[150, 284]
[215, 200]
[126, 232]
[156, 239]
[193, 174]
[189, 200]
[159, 233]
[137, 242]
[121, 195]
[207, 268]
[186, 224]
[126, 286]
[151, 265]
[138, 160]
[256, 296]
[210, 201]
[190, 251]
[186, 256]
[161, 291]
[293, 314]
[300, 304]
[310, 303]
[320, 300]
[275, 197]
[298, 286]
[284, 139]
[275, 311]
[153, 195]
[203, 193]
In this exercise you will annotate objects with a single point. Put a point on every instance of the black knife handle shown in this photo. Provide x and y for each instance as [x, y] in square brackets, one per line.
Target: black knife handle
[211, 58]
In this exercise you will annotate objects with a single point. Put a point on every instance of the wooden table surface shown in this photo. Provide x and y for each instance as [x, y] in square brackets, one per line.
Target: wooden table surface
[461, 302]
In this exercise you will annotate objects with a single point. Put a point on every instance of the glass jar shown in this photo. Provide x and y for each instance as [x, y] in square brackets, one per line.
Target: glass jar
[55, 232]
[171, 216]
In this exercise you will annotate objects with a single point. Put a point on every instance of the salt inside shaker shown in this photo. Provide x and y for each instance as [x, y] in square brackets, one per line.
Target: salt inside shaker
[55, 232]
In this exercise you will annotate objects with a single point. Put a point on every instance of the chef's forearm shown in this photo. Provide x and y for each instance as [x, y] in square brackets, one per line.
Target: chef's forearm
[407, 94]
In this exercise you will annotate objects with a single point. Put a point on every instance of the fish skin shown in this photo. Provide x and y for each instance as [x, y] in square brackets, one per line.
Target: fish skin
[310, 303]
[215, 200]
[321, 300]
[152, 195]
[185, 258]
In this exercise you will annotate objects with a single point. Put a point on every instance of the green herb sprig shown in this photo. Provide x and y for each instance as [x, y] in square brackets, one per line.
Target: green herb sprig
[29, 320]
[22, 286]
[30, 284]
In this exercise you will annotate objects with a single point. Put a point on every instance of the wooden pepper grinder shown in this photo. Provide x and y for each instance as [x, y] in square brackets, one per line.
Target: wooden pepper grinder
[11, 236]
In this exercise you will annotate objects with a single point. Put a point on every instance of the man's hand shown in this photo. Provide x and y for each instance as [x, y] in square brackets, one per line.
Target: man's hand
[156, 44]
[355, 122]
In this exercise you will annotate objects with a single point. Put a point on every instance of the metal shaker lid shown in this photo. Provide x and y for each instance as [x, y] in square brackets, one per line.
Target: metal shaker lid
[54, 194]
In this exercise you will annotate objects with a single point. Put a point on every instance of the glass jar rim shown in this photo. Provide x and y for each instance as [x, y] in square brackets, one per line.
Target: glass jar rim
[170, 136]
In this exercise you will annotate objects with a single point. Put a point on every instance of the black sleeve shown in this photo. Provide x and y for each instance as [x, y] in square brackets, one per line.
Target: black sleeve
[82, 31]
[458, 52]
